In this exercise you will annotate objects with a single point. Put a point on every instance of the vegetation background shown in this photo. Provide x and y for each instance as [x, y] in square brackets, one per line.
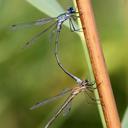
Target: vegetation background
[31, 74]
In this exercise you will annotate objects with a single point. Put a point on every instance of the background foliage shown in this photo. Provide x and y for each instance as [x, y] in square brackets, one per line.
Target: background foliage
[31, 74]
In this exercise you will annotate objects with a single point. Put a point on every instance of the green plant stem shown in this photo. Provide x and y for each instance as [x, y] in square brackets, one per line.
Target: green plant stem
[91, 76]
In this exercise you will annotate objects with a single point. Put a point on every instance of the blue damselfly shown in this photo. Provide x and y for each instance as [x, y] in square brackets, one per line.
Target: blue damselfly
[56, 24]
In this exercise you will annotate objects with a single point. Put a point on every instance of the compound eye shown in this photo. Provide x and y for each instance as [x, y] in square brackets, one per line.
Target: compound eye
[86, 81]
[71, 10]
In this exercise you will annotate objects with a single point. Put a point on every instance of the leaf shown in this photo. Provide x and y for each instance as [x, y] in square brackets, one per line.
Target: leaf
[49, 7]
[125, 119]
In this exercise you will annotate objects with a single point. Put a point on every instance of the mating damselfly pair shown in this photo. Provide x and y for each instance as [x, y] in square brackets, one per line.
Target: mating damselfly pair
[55, 27]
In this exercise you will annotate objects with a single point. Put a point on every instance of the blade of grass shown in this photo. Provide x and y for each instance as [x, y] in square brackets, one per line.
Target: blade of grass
[125, 119]
[49, 7]
[91, 76]
[98, 64]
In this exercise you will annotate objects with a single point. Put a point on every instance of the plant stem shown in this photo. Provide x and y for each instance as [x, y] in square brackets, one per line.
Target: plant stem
[98, 64]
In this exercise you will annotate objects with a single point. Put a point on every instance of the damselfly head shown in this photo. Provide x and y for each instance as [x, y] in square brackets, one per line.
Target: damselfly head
[71, 10]
[86, 82]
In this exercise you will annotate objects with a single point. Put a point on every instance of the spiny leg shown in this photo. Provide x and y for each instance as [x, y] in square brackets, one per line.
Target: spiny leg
[92, 98]
[72, 26]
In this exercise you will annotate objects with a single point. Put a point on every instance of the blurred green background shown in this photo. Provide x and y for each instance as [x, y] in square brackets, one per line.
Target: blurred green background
[31, 74]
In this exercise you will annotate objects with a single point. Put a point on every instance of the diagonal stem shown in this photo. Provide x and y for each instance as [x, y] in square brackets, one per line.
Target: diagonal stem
[98, 64]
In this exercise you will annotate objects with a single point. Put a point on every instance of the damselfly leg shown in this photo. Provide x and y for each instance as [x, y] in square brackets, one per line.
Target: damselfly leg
[73, 27]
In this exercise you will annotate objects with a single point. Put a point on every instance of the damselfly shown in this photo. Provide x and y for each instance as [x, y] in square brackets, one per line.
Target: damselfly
[56, 23]
[84, 86]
